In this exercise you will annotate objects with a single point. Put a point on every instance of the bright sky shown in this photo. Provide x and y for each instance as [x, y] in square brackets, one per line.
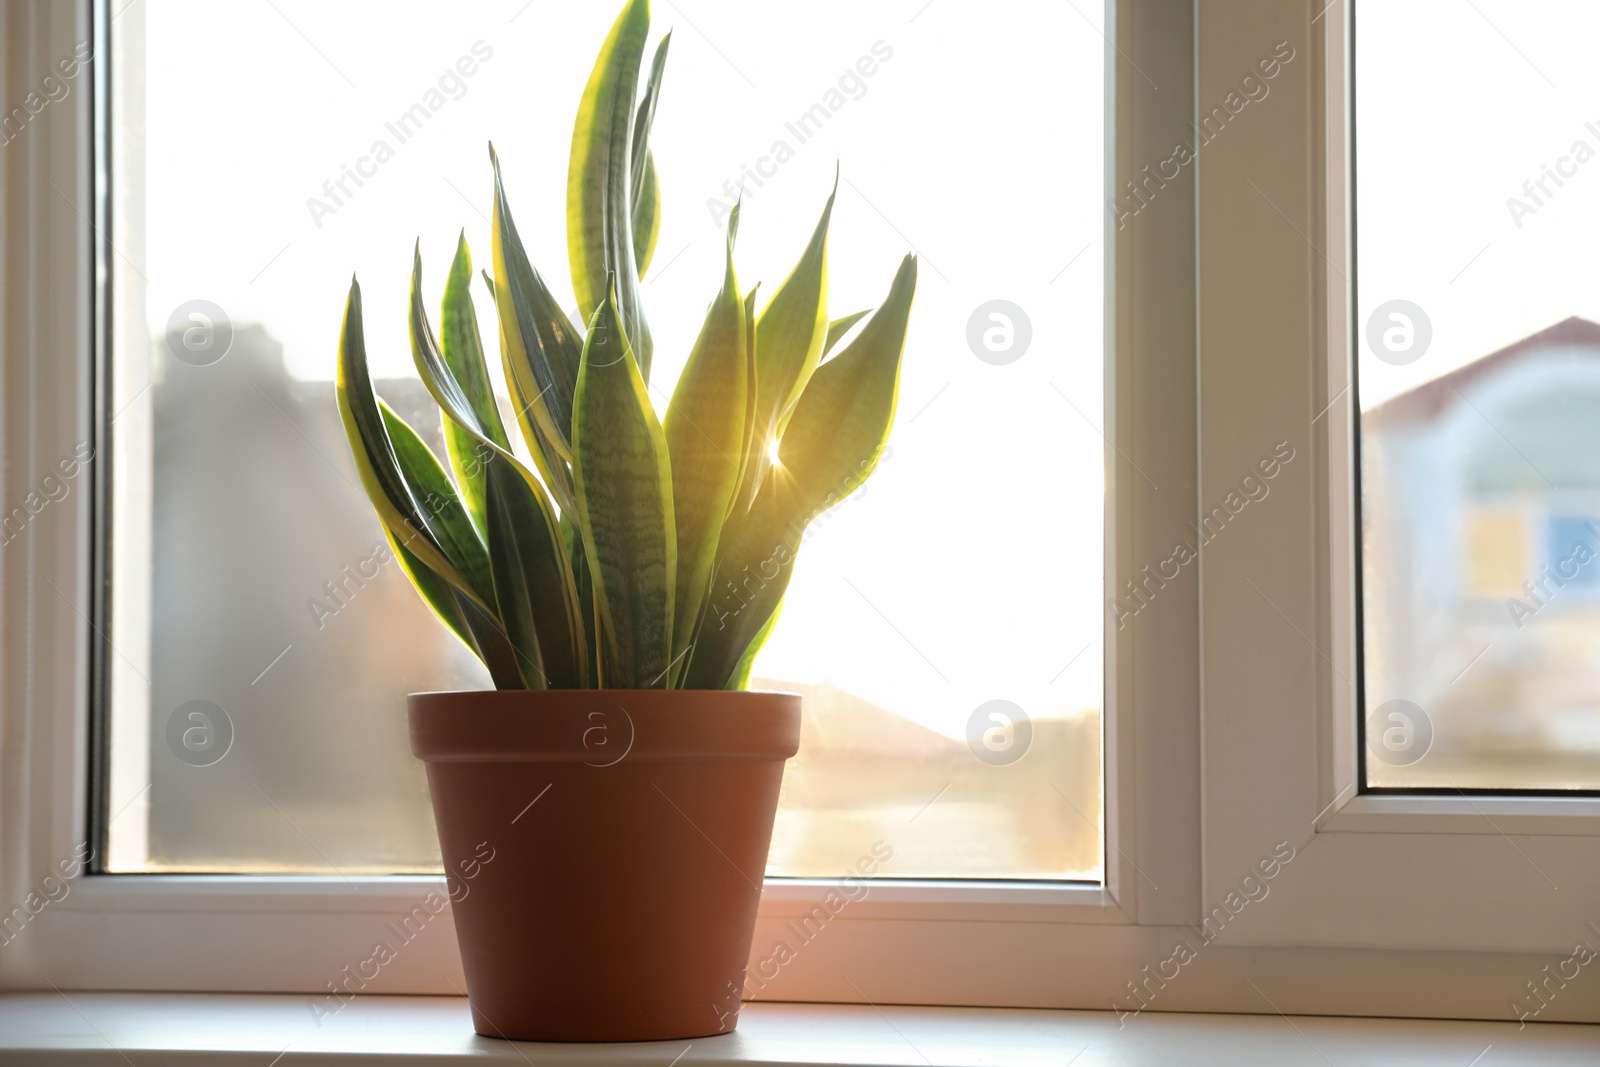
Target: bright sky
[1460, 104]
[971, 568]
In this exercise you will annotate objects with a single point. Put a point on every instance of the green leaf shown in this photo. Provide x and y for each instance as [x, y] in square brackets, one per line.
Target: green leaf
[754, 563]
[396, 501]
[572, 537]
[436, 495]
[841, 424]
[527, 581]
[623, 481]
[540, 346]
[600, 236]
[706, 428]
[555, 471]
[461, 398]
[536, 591]
[750, 464]
[492, 646]
[476, 629]
[436, 543]
[833, 443]
[647, 216]
[531, 580]
[839, 327]
[646, 188]
[789, 337]
[461, 343]
[460, 542]
[793, 327]
[747, 662]
[461, 350]
[437, 593]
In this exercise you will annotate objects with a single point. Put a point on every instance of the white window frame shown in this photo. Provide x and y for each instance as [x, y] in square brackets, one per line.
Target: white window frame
[1384, 871]
[1229, 726]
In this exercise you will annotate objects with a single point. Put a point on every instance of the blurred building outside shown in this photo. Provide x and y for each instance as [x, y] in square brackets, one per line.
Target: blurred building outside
[1481, 553]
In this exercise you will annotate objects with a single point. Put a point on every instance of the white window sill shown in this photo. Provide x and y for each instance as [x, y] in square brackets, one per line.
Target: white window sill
[150, 1030]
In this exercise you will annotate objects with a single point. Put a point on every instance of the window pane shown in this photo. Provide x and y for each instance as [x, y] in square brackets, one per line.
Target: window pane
[1479, 372]
[944, 624]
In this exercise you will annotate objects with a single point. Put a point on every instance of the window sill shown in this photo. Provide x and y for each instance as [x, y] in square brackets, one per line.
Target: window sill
[147, 1030]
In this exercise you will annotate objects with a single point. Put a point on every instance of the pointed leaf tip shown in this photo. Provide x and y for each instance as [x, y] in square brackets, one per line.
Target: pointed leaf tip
[605, 167]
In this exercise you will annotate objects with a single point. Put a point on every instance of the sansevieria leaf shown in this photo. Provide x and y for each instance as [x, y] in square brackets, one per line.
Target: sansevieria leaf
[461, 342]
[572, 537]
[491, 644]
[839, 327]
[623, 481]
[750, 467]
[793, 328]
[646, 188]
[478, 630]
[833, 442]
[747, 662]
[705, 429]
[441, 505]
[789, 337]
[517, 585]
[600, 232]
[437, 593]
[535, 588]
[525, 549]
[556, 471]
[398, 507]
[841, 424]
[541, 347]
[461, 345]
[754, 562]
[647, 216]
[448, 517]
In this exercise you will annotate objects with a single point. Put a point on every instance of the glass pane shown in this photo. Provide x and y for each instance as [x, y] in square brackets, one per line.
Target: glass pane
[1479, 371]
[944, 624]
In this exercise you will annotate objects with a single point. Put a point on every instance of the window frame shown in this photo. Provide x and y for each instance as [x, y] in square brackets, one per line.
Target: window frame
[240, 916]
[1195, 687]
[1282, 600]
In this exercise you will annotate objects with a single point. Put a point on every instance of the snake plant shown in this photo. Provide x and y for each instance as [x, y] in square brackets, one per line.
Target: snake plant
[633, 552]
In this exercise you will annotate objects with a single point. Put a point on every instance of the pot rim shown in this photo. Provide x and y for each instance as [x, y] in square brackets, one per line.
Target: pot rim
[603, 727]
[630, 692]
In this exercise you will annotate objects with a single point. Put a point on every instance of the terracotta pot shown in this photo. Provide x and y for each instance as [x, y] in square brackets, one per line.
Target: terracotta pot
[605, 850]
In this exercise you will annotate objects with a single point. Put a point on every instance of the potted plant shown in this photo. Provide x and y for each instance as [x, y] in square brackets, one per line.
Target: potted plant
[617, 584]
